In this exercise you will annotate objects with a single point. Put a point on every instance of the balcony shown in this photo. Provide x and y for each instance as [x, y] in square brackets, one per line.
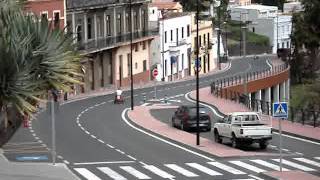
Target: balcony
[175, 46]
[113, 41]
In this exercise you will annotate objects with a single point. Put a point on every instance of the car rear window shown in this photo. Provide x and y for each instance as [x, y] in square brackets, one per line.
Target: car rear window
[193, 110]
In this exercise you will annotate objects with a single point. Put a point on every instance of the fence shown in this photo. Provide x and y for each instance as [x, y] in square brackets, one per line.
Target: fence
[219, 89]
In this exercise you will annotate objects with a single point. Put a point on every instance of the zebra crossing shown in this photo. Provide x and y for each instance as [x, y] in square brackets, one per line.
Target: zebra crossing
[196, 170]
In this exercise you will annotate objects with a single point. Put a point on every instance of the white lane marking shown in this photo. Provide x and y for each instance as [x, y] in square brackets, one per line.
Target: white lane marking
[101, 141]
[111, 173]
[285, 150]
[299, 153]
[87, 132]
[110, 146]
[134, 172]
[317, 158]
[144, 164]
[295, 165]
[160, 139]
[213, 110]
[269, 165]
[255, 177]
[247, 166]
[145, 104]
[226, 168]
[203, 169]
[297, 138]
[308, 161]
[94, 137]
[120, 151]
[110, 100]
[33, 134]
[158, 171]
[66, 162]
[87, 174]
[269, 64]
[106, 162]
[131, 157]
[181, 170]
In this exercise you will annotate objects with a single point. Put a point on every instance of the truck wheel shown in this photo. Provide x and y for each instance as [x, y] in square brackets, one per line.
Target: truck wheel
[234, 141]
[263, 145]
[217, 137]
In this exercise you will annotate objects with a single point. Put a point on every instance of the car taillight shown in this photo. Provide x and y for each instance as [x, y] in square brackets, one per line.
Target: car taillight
[241, 131]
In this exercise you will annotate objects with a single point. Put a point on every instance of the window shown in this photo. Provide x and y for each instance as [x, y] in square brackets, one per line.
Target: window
[204, 39]
[108, 25]
[143, 45]
[119, 25]
[282, 44]
[208, 36]
[56, 19]
[129, 64]
[99, 26]
[101, 72]
[182, 32]
[44, 15]
[91, 75]
[182, 61]
[199, 41]
[165, 36]
[137, 47]
[144, 65]
[89, 26]
[288, 46]
[188, 30]
[177, 35]
[136, 65]
[152, 11]
[79, 32]
[253, 29]
[195, 42]
[127, 22]
[135, 20]
[171, 35]
[144, 19]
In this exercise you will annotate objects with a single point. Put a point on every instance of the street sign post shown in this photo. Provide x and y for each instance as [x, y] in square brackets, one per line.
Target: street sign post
[280, 110]
[155, 74]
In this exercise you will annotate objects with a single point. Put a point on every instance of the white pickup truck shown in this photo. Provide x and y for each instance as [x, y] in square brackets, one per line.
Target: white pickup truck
[243, 128]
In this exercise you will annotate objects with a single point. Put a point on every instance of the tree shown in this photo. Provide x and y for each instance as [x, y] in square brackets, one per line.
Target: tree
[34, 58]
[306, 41]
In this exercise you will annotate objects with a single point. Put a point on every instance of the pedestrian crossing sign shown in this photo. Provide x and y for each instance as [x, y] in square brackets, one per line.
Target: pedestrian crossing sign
[280, 110]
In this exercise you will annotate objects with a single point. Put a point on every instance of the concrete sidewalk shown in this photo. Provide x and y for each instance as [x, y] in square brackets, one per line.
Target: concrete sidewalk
[228, 106]
[33, 171]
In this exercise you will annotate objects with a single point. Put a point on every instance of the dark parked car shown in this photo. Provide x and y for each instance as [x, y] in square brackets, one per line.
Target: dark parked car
[186, 118]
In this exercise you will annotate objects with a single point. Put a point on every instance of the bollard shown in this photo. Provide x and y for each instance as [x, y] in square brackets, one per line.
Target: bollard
[144, 98]
[165, 99]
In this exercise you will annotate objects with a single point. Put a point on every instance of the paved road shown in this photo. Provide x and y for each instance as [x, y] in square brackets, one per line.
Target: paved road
[95, 141]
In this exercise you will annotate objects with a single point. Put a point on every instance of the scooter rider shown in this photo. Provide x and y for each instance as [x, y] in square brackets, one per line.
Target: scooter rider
[118, 96]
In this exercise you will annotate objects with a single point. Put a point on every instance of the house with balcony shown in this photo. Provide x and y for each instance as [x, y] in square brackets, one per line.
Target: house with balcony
[174, 42]
[102, 33]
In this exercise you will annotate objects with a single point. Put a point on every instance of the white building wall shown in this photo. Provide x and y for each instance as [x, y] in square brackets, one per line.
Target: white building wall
[169, 47]
[282, 30]
[253, 12]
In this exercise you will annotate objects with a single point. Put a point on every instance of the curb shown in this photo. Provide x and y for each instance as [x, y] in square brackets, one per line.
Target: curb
[265, 176]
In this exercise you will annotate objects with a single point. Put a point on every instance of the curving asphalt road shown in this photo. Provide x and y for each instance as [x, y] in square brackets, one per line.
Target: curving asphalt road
[91, 133]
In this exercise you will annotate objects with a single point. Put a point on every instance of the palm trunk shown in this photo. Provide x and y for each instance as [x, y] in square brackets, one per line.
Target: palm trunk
[5, 110]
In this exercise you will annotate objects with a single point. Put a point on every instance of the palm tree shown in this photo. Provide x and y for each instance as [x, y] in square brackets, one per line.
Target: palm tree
[34, 58]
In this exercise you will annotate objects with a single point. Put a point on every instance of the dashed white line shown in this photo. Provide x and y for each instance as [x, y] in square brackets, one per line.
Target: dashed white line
[66, 162]
[131, 157]
[110, 146]
[120, 151]
[93, 136]
[101, 141]
[87, 132]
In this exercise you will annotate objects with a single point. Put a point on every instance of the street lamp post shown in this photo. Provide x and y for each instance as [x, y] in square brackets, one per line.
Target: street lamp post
[218, 36]
[226, 36]
[131, 67]
[197, 75]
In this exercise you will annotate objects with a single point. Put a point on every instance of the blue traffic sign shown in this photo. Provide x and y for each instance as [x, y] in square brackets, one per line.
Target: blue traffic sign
[280, 110]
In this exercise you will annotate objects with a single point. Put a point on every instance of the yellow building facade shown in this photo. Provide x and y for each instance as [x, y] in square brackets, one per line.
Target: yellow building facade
[206, 56]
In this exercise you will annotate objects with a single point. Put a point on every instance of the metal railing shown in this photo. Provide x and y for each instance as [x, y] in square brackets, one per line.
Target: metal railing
[111, 41]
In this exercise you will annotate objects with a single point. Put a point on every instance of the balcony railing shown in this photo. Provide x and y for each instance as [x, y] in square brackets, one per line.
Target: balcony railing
[113, 41]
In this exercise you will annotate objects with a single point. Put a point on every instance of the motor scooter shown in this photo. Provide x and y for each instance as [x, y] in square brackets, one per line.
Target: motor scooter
[118, 99]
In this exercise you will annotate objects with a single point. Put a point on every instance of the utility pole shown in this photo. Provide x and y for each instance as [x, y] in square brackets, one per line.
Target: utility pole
[53, 127]
[131, 67]
[162, 43]
[240, 35]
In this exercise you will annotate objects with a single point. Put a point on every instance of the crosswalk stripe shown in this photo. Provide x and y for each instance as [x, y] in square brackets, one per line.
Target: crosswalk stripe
[308, 161]
[134, 172]
[158, 171]
[111, 173]
[247, 166]
[269, 165]
[226, 168]
[204, 169]
[317, 158]
[181, 170]
[87, 174]
[295, 165]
